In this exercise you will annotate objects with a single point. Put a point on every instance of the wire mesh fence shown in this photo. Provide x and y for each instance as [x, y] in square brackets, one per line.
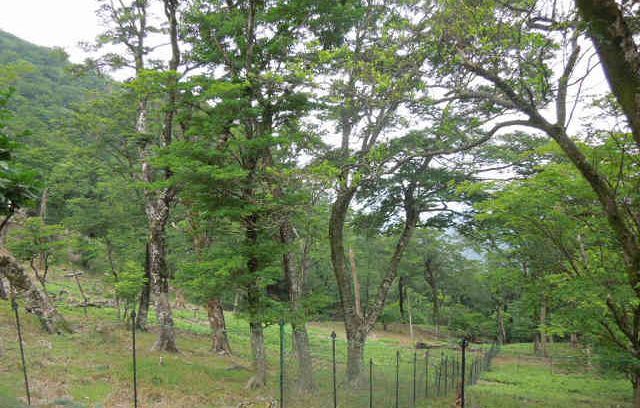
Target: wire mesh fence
[399, 378]
[391, 376]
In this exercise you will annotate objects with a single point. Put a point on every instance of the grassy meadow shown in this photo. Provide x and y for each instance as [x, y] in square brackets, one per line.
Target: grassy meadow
[92, 367]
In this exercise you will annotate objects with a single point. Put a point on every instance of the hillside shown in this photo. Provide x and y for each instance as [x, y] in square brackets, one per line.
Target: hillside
[92, 367]
[45, 87]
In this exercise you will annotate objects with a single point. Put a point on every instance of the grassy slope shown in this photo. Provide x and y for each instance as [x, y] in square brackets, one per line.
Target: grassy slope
[92, 367]
[520, 379]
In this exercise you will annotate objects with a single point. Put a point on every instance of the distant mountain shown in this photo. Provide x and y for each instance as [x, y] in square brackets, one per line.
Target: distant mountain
[45, 87]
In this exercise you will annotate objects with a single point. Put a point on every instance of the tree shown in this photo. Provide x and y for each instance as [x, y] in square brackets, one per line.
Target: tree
[377, 89]
[37, 243]
[508, 51]
[17, 189]
[252, 104]
[130, 28]
[607, 23]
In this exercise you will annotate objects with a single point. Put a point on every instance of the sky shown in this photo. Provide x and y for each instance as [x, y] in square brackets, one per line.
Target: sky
[52, 23]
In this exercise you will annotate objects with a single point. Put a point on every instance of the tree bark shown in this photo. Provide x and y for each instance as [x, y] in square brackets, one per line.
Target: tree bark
[295, 279]
[356, 282]
[38, 302]
[220, 341]
[160, 283]
[401, 298]
[540, 344]
[259, 378]
[430, 275]
[618, 54]
[4, 293]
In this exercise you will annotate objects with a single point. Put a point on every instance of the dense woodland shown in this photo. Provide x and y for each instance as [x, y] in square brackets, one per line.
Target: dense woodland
[468, 166]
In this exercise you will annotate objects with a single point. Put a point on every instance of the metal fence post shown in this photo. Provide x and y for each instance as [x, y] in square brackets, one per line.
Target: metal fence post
[282, 363]
[463, 370]
[446, 374]
[437, 379]
[426, 375]
[371, 383]
[133, 355]
[14, 305]
[415, 366]
[398, 379]
[333, 353]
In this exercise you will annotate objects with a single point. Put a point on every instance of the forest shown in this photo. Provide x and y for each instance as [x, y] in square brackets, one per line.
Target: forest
[404, 173]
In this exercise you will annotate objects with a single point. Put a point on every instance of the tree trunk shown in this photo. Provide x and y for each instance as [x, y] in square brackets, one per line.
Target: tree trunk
[574, 340]
[145, 296]
[620, 58]
[401, 298]
[259, 378]
[158, 203]
[38, 301]
[432, 280]
[502, 332]
[410, 318]
[540, 344]
[167, 338]
[303, 354]
[4, 293]
[356, 282]
[254, 300]
[160, 286]
[220, 341]
[295, 279]
[636, 390]
[357, 327]
[356, 339]
[114, 273]
[44, 201]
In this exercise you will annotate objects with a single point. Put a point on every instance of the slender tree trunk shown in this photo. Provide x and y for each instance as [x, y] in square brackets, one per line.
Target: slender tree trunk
[541, 336]
[145, 295]
[38, 301]
[160, 287]
[356, 282]
[432, 280]
[303, 354]
[44, 201]
[401, 292]
[410, 318]
[158, 203]
[295, 279]
[259, 378]
[4, 293]
[236, 301]
[502, 332]
[254, 300]
[636, 389]
[220, 341]
[114, 273]
[352, 320]
[574, 340]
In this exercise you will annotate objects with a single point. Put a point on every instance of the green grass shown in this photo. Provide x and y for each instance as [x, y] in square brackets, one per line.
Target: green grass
[92, 366]
[519, 379]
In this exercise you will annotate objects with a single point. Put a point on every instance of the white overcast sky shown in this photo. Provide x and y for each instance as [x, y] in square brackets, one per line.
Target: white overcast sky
[52, 23]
